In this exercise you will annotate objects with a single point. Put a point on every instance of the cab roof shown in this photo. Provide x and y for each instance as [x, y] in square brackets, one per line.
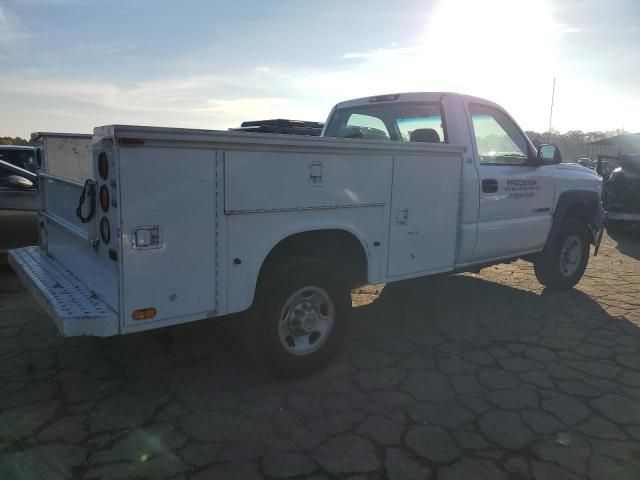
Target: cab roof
[410, 97]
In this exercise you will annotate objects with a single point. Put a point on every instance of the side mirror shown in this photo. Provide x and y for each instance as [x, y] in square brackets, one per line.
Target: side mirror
[599, 167]
[19, 183]
[549, 154]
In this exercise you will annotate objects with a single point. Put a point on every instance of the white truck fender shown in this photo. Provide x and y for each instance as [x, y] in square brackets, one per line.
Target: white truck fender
[241, 299]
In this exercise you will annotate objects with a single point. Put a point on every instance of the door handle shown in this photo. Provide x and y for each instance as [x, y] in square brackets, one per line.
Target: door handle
[489, 185]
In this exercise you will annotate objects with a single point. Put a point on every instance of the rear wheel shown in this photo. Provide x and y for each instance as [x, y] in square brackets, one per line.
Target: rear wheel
[300, 317]
[563, 263]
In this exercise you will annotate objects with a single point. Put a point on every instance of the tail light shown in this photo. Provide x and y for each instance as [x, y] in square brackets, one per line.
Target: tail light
[143, 313]
[104, 198]
[103, 165]
[105, 230]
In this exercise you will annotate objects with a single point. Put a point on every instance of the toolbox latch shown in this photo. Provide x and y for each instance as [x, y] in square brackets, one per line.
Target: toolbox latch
[147, 237]
[402, 217]
[315, 174]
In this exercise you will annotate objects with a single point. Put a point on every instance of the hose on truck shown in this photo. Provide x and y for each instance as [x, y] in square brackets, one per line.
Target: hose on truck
[89, 190]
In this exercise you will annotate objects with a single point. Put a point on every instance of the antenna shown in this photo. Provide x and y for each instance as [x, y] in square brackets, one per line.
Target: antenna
[553, 93]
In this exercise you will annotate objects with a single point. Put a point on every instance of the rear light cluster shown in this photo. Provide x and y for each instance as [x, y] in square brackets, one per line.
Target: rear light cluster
[104, 198]
[103, 165]
[103, 171]
[105, 230]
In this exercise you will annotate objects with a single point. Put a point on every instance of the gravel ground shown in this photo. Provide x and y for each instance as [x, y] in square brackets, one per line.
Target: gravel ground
[464, 377]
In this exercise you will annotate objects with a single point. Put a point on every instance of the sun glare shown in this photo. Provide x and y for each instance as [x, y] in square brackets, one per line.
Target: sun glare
[482, 42]
[498, 49]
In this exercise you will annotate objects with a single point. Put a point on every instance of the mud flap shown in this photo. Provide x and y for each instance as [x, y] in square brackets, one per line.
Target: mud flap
[598, 240]
[597, 228]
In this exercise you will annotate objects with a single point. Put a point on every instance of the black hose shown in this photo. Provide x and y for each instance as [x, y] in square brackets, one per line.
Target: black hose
[89, 190]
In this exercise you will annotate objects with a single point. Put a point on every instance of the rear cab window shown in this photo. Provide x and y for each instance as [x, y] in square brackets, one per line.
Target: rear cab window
[402, 121]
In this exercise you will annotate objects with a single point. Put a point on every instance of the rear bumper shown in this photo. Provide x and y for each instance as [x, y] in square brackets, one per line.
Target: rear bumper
[630, 217]
[75, 309]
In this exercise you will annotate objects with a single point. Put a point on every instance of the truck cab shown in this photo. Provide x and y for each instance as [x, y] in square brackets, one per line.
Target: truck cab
[510, 188]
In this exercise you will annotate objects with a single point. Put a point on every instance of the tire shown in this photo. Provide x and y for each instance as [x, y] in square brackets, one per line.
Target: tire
[562, 264]
[316, 302]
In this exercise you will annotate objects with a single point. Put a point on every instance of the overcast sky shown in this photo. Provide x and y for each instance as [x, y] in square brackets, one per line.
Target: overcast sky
[70, 65]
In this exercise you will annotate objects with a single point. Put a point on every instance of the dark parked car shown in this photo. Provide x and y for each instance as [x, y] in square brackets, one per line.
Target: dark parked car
[18, 207]
[621, 190]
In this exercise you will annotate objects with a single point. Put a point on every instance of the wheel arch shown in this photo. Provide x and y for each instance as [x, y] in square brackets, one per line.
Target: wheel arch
[321, 242]
[582, 204]
[318, 241]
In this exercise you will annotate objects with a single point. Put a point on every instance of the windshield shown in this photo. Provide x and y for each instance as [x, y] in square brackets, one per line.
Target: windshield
[409, 122]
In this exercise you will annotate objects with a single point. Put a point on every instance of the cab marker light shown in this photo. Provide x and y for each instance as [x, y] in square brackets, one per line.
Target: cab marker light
[384, 98]
[143, 314]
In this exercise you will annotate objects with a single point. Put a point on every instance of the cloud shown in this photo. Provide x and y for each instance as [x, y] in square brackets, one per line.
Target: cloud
[169, 94]
[10, 28]
[487, 52]
[99, 49]
[564, 28]
[193, 101]
[241, 109]
[394, 51]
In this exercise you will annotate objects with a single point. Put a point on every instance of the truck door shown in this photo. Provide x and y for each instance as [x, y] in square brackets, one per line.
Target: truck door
[516, 197]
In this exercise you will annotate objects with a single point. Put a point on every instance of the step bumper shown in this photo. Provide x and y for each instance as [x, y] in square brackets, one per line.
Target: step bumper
[70, 303]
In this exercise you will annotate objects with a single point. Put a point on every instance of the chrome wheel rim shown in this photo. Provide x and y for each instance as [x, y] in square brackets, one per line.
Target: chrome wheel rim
[570, 255]
[306, 320]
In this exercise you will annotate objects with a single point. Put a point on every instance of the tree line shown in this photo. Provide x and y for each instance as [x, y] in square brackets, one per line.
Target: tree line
[573, 144]
[13, 141]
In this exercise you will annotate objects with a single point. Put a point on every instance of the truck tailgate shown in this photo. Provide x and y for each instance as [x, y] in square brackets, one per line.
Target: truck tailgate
[71, 242]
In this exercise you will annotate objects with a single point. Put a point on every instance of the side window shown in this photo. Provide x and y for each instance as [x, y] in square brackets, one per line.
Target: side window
[26, 160]
[364, 126]
[498, 139]
[4, 173]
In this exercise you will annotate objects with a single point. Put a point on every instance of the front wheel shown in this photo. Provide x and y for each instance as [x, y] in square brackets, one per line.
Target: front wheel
[562, 264]
[300, 317]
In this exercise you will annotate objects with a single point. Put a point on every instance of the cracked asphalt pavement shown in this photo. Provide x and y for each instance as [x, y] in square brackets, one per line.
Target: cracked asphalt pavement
[464, 377]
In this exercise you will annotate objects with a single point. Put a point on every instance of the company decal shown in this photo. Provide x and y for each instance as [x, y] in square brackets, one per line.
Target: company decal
[521, 188]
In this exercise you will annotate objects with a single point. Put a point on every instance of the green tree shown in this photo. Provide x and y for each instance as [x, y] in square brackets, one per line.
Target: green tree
[13, 141]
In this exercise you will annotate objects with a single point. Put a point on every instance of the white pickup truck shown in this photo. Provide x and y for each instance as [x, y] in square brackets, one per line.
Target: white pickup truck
[178, 225]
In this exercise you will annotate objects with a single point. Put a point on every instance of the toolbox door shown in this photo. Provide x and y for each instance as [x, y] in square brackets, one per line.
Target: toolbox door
[169, 226]
[423, 228]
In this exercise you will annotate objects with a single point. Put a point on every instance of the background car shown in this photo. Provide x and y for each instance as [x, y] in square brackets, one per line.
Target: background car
[20, 156]
[621, 190]
[18, 206]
